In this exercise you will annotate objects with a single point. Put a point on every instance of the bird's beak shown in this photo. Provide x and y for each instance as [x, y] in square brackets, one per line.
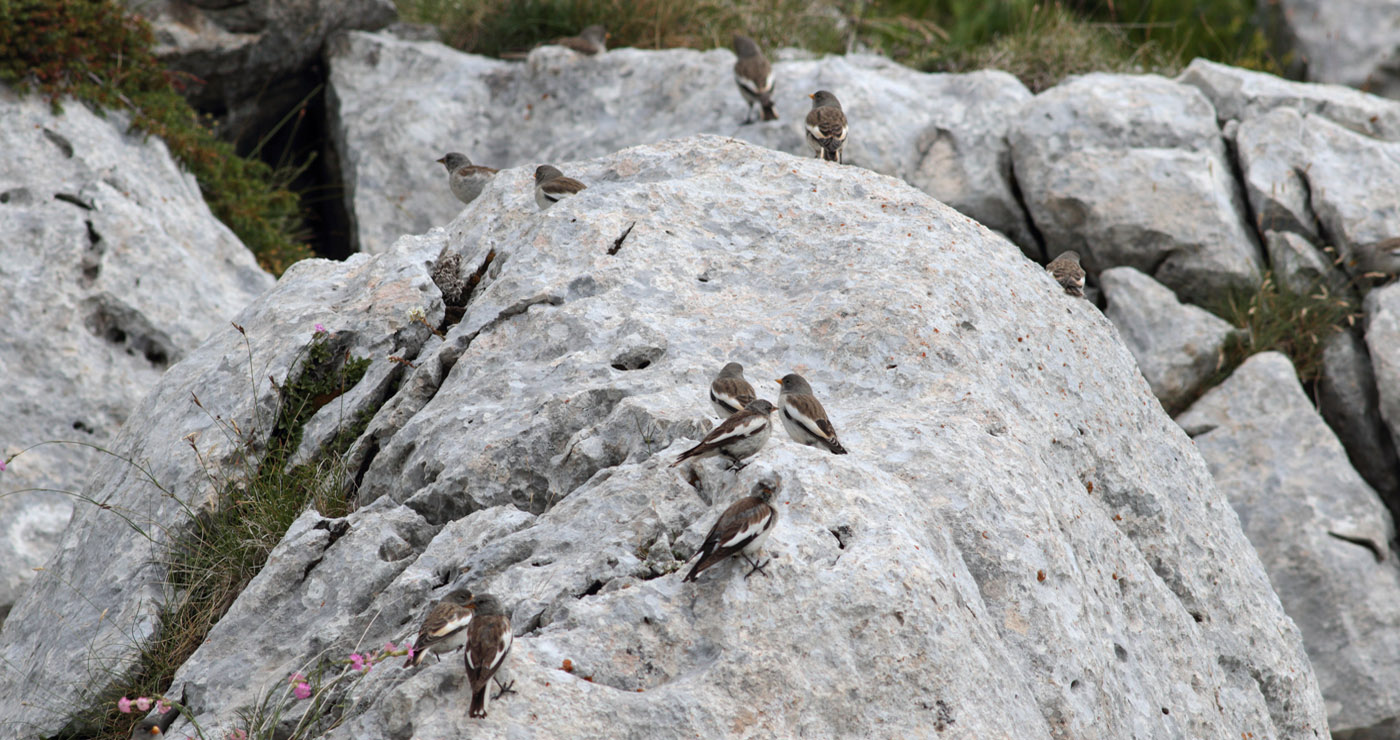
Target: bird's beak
[779, 381]
[441, 160]
[813, 96]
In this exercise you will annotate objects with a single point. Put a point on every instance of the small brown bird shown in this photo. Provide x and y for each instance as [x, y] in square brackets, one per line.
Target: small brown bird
[730, 393]
[826, 126]
[741, 529]
[1067, 271]
[741, 435]
[444, 628]
[488, 643]
[551, 186]
[803, 415]
[466, 179]
[754, 76]
[593, 40]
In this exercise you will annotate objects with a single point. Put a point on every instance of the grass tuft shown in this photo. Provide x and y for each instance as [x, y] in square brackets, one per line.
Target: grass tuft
[1277, 318]
[98, 53]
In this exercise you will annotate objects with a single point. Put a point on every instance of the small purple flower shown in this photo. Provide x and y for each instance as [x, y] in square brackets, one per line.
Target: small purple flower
[302, 690]
[143, 703]
[162, 706]
[237, 735]
[295, 678]
[320, 329]
[124, 705]
[3, 465]
[357, 661]
[410, 652]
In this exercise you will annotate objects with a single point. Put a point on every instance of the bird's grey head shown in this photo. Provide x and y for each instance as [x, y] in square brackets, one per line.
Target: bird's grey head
[1070, 255]
[822, 98]
[759, 405]
[597, 33]
[767, 486]
[745, 47]
[546, 172]
[454, 160]
[488, 605]
[732, 370]
[460, 595]
[794, 383]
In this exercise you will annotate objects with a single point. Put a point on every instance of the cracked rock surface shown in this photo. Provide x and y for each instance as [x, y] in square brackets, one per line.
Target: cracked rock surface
[1019, 537]
[114, 269]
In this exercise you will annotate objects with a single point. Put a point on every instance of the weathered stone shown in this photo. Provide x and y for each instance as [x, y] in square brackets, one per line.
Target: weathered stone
[114, 268]
[1177, 346]
[1347, 42]
[1322, 533]
[1300, 266]
[1382, 309]
[1273, 156]
[1132, 171]
[82, 618]
[398, 105]
[1348, 401]
[245, 55]
[1242, 94]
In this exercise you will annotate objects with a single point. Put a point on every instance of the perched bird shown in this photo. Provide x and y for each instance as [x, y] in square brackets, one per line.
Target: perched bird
[156, 723]
[826, 126]
[730, 393]
[488, 642]
[444, 628]
[741, 435]
[551, 185]
[1067, 271]
[755, 77]
[593, 40]
[803, 415]
[742, 529]
[466, 179]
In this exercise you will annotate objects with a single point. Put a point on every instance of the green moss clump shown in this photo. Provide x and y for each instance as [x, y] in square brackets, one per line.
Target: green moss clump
[98, 53]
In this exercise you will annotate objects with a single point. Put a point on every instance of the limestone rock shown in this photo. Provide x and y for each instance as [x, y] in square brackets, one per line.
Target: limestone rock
[247, 57]
[1300, 266]
[1322, 533]
[1177, 346]
[399, 105]
[1382, 309]
[1349, 402]
[1347, 42]
[114, 269]
[1132, 171]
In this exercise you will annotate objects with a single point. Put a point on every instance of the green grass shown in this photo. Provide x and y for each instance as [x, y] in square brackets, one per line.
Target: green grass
[211, 563]
[95, 52]
[1039, 42]
[1276, 318]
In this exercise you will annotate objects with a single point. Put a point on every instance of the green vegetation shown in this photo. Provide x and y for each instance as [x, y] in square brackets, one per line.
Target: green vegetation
[1041, 42]
[209, 565]
[1276, 318]
[94, 51]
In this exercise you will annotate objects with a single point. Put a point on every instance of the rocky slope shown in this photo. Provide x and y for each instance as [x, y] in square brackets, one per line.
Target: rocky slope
[1020, 536]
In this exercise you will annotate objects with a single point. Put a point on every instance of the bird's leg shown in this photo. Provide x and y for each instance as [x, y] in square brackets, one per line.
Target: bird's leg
[505, 688]
[749, 119]
[757, 567]
[735, 464]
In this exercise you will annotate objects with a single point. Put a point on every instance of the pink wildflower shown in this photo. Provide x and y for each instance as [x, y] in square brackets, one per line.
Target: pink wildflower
[162, 706]
[410, 652]
[295, 678]
[143, 703]
[320, 329]
[390, 647]
[124, 705]
[302, 690]
[357, 661]
[237, 735]
[2, 463]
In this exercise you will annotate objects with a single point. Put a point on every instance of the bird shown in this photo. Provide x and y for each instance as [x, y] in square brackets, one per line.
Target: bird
[803, 416]
[592, 40]
[1067, 271]
[488, 642]
[466, 179]
[826, 126]
[444, 628]
[741, 435]
[754, 75]
[551, 185]
[742, 529]
[730, 393]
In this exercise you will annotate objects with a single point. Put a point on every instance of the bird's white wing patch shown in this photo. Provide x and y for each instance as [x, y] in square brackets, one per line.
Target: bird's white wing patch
[453, 625]
[744, 429]
[751, 529]
[501, 653]
[815, 131]
[746, 83]
[806, 421]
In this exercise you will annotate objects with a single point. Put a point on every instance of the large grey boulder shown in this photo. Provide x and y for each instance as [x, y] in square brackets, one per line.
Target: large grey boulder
[251, 60]
[397, 106]
[1322, 533]
[113, 270]
[1177, 346]
[85, 616]
[1348, 400]
[1347, 42]
[1240, 94]
[1132, 171]
[1018, 538]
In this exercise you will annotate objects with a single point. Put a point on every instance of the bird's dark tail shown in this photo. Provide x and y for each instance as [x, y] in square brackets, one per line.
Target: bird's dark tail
[831, 155]
[835, 446]
[701, 564]
[769, 114]
[478, 708]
